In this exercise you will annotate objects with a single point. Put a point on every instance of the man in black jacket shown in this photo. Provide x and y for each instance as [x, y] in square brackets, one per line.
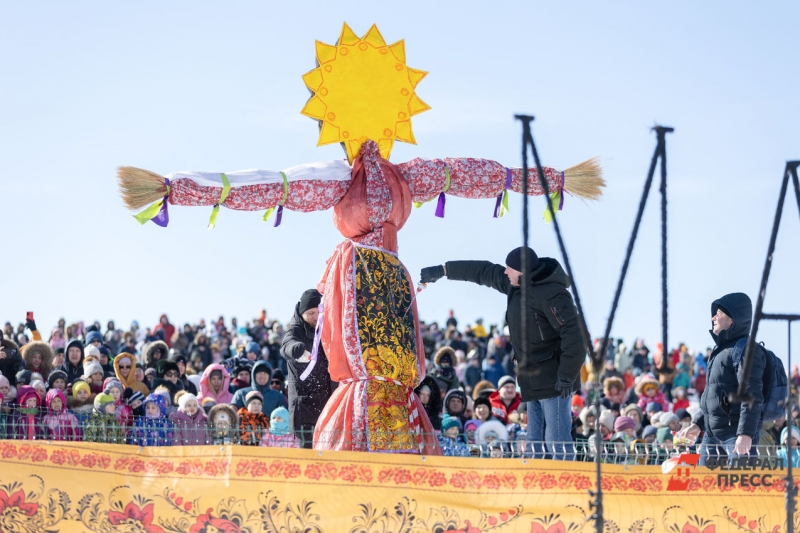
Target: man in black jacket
[730, 428]
[307, 397]
[550, 361]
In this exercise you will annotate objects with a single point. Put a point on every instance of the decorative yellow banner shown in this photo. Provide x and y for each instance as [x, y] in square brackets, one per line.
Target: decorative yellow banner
[64, 487]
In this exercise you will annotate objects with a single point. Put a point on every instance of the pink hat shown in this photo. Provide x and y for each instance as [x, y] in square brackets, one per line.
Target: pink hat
[624, 422]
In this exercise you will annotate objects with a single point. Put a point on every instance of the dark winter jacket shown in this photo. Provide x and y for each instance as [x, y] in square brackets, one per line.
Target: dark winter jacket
[13, 361]
[149, 354]
[718, 416]
[554, 346]
[74, 372]
[272, 398]
[434, 406]
[306, 398]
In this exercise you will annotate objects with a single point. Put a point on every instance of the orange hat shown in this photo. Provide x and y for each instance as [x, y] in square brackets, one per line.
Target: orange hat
[577, 401]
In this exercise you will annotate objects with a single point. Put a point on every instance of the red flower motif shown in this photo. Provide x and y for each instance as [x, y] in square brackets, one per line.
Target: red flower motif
[206, 521]
[458, 481]
[491, 481]
[133, 515]
[529, 480]
[89, 460]
[24, 452]
[39, 454]
[582, 482]
[402, 476]
[104, 461]
[58, 457]
[17, 501]
[313, 472]
[437, 479]
[509, 480]
[558, 527]
[292, 470]
[637, 485]
[548, 481]
[9, 451]
[691, 528]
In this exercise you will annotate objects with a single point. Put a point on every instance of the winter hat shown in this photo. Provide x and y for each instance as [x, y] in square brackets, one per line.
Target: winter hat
[504, 380]
[483, 400]
[278, 374]
[94, 336]
[649, 430]
[56, 393]
[123, 356]
[309, 300]
[24, 377]
[157, 399]
[682, 413]
[514, 258]
[655, 419]
[279, 428]
[450, 422]
[163, 366]
[207, 404]
[253, 347]
[91, 365]
[607, 419]
[184, 399]
[577, 401]
[111, 383]
[663, 435]
[136, 395]
[80, 385]
[645, 383]
[631, 408]
[25, 392]
[785, 434]
[624, 422]
[253, 395]
[667, 418]
[101, 400]
[472, 424]
[653, 407]
[4, 381]
[54, 375]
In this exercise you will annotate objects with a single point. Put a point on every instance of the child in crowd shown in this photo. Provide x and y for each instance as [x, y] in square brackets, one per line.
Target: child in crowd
[455, 403]
[134, 399]
[649, 434]
[165, 393]
[93, 371]
[103, 425]
[57, 380]
[649, 391]
[451, 440]
[60, 423]
[279, 434]
[189, 422]
[214, 384]
[27, 422]
[81, 401]
[8, 392]
[470, 430]
[489, 432]
[679, 400]
[607, 420]
[614, 390]
[795, 436]
[252, 422]
[496, 450]
[3, 433]
[624, 435]
[153, 429]
[39, 386]
[122, 411]
[224, 424]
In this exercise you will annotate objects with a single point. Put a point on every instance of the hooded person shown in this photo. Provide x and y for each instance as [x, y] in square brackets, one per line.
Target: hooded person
[445, 373]
[307, 397]
[491, 431]
[252, 422]
[614, 389]
[279, 435]
[214, 384]
[455, 404]
[430, 397]
[122, 411]
[483, 388]
[155, 352]
[11, 360]
[73, 360]
[224, 424]
[9, 393]
[189, 422]
[167, 376]
[27, 423]
[451, 439]
[167, 328]
[153, 429]
[60, 423]
[260, 378]
[38, 357]
[134, 400]
[81, 401]
[57, 380]
[125, 371]
[93, 371]
[57, 339]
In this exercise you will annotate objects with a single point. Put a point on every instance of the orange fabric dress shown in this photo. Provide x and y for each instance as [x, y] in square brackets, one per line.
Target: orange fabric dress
[370, 328]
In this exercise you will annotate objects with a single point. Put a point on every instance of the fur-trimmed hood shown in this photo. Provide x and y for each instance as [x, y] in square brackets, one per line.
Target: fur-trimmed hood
[613, 381]
[645, 381]
[46, 353]
[445, 350]
[224, 395]
[482, 388]
[226, 408]
[150, 350]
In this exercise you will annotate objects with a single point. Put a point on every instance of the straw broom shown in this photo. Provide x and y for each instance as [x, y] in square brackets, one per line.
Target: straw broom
[139, 187]
[585, 180]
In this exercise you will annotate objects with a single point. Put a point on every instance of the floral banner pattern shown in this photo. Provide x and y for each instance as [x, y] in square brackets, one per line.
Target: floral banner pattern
[64, 487]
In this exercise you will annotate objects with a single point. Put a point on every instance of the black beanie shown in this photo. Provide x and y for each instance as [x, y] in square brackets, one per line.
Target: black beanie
[309, 300]
[514, 259]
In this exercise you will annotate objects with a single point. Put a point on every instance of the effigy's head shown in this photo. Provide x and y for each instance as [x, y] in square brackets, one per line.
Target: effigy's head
[377, 204]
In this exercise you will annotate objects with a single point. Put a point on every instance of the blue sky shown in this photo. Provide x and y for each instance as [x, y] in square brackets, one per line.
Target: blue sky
[88, 86]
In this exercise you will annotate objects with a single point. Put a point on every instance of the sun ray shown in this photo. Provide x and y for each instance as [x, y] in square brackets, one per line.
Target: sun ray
[363, 89]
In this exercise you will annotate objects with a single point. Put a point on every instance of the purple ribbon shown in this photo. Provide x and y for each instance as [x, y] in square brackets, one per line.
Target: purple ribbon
[500, 196]
[440, 206]
[317, 336]
[278, 216]
[561, 192]
[162, 217]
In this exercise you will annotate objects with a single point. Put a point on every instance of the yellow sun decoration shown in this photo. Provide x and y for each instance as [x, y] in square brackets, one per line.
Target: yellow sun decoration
[362, 90]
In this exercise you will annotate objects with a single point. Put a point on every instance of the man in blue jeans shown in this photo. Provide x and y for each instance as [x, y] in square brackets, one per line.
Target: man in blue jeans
[549, 362]
[730, 429]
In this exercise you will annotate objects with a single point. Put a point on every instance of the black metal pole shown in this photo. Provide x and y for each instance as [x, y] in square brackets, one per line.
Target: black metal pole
[661, 132]
[791, 492]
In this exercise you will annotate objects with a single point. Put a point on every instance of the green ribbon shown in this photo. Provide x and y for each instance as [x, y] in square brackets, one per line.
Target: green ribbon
[503, 204]
[269, 211]
[147, 214]
[226, 189]
[555, 201]
[446, 186]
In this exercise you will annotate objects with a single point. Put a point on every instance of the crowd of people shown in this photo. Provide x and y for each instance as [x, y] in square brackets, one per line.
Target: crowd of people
[222, 382]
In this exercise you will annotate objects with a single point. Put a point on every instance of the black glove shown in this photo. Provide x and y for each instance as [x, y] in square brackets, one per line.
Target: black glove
[31, 325]
[564, 387]
[431, 274]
